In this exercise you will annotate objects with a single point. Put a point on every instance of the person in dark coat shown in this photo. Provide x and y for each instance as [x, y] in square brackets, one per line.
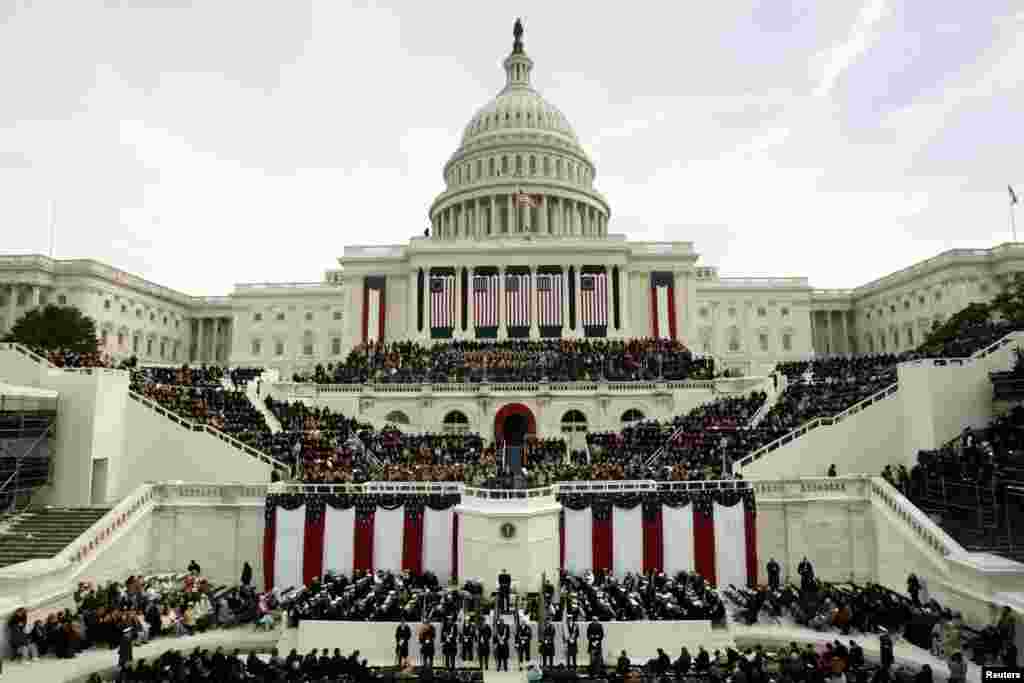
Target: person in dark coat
[572, 644]
[124, 651]
[595, 637]
[247, 574]
[773, 574]
[484, 646]
[547, 646]
[502, 634]
[468, 641]
[403, 634]
[193, 568]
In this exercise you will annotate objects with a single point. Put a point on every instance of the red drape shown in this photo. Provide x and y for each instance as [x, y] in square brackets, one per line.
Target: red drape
[366, 311]
[382, 316]
[750, 530]
[654, 311]
[363, 552]
[561, 540]
[672, 311]
[455, 545]
[704, 544]
[269, 543]
[602, 541]
[313, 549]
[412, 541]
[654, 554]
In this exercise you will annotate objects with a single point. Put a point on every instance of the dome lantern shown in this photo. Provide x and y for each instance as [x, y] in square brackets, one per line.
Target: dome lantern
[517, 64]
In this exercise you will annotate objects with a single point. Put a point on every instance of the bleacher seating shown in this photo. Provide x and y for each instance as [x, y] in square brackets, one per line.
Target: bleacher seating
[974, 486]
[515, 361]
[198, 394]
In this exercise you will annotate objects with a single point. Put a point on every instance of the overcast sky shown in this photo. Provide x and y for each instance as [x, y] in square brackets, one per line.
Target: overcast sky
[208, 143]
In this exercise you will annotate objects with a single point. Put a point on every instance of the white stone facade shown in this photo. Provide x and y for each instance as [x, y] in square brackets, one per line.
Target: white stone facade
[519, 199]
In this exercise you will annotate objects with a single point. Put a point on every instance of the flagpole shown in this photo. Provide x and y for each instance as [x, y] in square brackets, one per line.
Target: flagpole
[53, 225]
[1013, 220]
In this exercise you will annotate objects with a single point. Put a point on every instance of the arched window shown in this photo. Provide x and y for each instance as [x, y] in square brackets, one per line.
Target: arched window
[504, 165]
[455, 422]
[734, 339]
[533, 165]
[632, 415]
[547, 167]
[397, 417]
[574, 421]
[490, 167]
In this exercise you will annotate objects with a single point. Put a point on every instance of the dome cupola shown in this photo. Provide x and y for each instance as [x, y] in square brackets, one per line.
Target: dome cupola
[519, 169]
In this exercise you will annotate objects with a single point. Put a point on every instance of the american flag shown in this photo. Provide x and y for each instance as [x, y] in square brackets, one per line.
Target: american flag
[517, 300]
[594, 299]
[524, 200]
[485, 300]
[549, 295]
[442, 301]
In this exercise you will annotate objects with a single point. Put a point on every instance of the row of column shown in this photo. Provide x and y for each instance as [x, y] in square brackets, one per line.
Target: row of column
[534, 302]
[484, 217]
[830, 333]
[211, 340]
[13, 292]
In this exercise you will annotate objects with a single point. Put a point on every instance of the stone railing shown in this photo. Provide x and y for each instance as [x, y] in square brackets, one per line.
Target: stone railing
[191, 426]
[915, 521]
[818, 422]
[28, 353]
[107, 526]
[312, 390]
[1010, 338]
[761, 282]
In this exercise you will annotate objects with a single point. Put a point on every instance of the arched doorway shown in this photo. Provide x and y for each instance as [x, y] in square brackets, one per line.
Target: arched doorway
[514, 421]
[512, 425]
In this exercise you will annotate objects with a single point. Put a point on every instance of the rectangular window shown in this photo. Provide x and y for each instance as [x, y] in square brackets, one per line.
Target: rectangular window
[279, 349]
[787, 342]
[307, 350]
[135, 345]
[336, 346]
[257, 317]
[280, 316]
[256, 347]
[337, 315]
[763, 341]
[149, 347]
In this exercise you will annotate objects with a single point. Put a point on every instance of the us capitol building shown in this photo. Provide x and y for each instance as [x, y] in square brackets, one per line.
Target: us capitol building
[520, 246]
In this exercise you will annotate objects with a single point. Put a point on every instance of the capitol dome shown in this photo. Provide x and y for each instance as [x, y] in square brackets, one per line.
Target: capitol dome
[519, 169]
[519, 108]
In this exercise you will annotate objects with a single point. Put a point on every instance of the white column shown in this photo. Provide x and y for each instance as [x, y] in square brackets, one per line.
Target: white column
[410, 313]
[457, 324]
[578, 299]
[12, 302]
[534, 305]
[564, 300]
[478, 224]
[501, 302]
[624, 290]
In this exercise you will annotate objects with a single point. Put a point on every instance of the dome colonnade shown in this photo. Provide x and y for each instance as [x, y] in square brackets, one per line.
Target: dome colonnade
[519, 171]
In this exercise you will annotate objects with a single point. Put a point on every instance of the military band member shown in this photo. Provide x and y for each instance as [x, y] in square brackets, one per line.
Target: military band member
[501, 651]
[572, 644]
[450, 644]
[402, 636]
[468, 641]
[504, 590]
[426, 638]
[483, 642]
[523, 638]
[595, 636]
[547, 646]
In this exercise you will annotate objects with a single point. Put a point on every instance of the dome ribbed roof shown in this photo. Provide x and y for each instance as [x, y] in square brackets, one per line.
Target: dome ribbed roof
[518, 109]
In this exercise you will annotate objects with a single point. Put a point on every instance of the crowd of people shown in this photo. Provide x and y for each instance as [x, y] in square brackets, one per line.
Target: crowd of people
[76, 359]
[120, 614]
[969, 339]
[557, 360]
[602, 596]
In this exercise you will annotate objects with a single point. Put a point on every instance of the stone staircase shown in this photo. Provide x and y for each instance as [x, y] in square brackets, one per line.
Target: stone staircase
[42, 533]
[258, 404]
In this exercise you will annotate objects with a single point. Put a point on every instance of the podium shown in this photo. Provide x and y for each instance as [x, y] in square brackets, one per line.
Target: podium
[514, 530]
